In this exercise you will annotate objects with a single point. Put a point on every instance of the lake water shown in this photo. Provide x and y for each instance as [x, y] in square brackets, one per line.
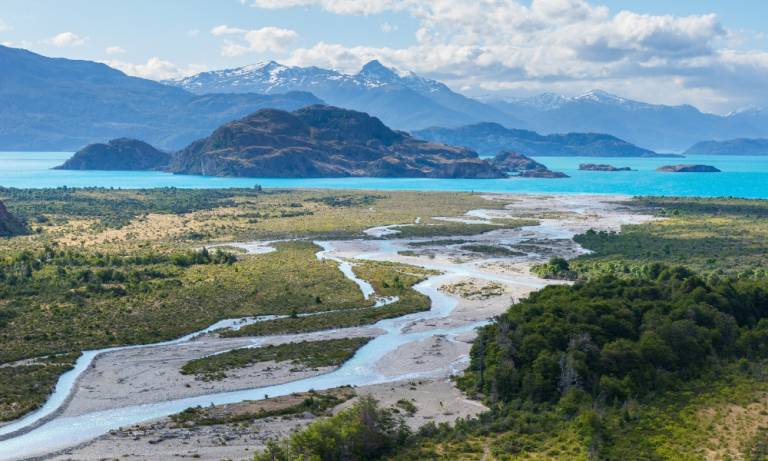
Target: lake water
[741, 177]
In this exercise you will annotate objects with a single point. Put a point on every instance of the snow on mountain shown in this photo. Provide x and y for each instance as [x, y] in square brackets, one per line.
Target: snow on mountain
[403, 100]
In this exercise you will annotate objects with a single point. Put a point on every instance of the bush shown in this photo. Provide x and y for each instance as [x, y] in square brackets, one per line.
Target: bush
[363, 431]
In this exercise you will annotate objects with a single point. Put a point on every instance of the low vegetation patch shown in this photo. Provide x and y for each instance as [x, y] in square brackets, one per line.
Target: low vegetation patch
[715, 237]
[492, 250]
[450, 228]
[310, 354]
[387, 279]
[318, 403]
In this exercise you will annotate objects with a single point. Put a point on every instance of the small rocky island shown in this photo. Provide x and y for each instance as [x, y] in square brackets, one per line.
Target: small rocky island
[523, 166]
[117, 154]
[688, 169]
[313, 142]
[602, 167]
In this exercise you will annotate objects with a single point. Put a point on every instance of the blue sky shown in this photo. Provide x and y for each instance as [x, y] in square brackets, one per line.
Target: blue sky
[710, 53]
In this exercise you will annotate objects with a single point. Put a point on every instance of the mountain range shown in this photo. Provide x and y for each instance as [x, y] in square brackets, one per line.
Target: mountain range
[409, 102]
[490, 138]
[658, 127]
[403, 101]
[312, 142]
[730, 147]
[62, 104]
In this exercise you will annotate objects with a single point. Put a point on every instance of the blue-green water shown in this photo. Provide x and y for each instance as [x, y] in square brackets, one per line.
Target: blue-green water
[741, 177]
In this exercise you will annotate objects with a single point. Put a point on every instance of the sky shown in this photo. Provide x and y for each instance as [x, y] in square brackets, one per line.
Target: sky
[709, 53]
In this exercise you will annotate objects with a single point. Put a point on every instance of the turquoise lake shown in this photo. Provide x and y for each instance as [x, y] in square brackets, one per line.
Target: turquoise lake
[742, 176]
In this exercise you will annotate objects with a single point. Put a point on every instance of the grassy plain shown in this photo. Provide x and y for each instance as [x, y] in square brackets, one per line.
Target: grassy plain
[105, 267]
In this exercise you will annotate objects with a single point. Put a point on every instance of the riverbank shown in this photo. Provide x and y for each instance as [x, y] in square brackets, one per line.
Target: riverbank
[429, 346]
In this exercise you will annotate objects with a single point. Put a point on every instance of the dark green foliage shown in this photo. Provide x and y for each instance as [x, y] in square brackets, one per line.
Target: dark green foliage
[613, 339]
[556, 268]
[361, 432]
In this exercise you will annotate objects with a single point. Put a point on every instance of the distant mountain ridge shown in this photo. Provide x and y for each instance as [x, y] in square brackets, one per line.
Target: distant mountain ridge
[315, 141]
[62, 104]
[401, 100]
[490, 138]
[658, 127]
[730, 147]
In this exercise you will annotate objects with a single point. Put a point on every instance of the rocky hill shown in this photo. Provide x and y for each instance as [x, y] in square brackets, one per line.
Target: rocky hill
[10, 225]
[741, 146]
[520, 165]
[118, 154]
[489, 138]
[323, 141]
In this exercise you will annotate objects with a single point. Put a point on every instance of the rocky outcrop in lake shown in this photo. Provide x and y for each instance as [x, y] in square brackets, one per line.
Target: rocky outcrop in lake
[688, 169]
[117, 154]
[602, 167]
[521, 165]
[323, 141]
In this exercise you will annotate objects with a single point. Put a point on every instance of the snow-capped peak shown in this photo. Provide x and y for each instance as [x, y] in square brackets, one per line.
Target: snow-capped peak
[600, 96]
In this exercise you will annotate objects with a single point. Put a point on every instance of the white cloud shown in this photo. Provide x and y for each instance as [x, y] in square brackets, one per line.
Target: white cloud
[156, 69]
[114, 50]
[242, 41]
[193, 32]
[520, 46]
[364, 7]
[67, 39]
[4, 26]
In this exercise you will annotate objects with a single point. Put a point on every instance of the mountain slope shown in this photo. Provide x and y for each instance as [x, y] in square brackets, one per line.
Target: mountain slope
[404, 101]
[10, 225]
[323, 141]
[662, 128]
[730, 147]
[61, 104]
[490, 138]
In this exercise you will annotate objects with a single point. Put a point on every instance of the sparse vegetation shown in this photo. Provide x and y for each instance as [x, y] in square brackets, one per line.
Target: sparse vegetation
[310, 354]
[317, 403]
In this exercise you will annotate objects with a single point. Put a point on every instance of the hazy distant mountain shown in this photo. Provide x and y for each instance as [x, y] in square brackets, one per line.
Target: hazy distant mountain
[731, 147]
[490, 138]
[403, 101]
[323, 141]
[659, 127]
[61, 104]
